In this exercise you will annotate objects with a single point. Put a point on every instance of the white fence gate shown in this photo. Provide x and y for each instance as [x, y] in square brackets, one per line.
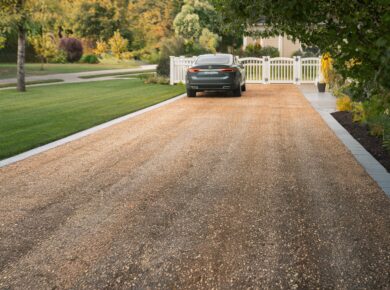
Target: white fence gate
[262, 70]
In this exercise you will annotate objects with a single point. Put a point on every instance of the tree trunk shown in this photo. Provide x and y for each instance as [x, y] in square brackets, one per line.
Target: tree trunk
[42, 63]
[21, 74]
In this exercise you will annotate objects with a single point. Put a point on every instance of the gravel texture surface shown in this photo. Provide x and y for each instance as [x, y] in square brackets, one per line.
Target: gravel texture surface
[207, 192]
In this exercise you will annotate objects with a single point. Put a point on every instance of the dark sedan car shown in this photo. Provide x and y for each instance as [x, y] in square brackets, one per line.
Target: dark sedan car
[216, 72]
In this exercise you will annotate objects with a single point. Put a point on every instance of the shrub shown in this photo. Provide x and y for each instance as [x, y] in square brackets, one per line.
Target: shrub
[152, 56]
[2, 41]
[270, 51]
[358, 112]
[170, 46]
[60, 57]
[156, 79]
[257, 51]
[163, 66]
[90, 58]
[326, 67]
[149, 55]
[297, 53]
[252, 50]
[101, 47]
[127, 55]
[344, 103]
[311, 51]
[72, 47]
[118, 44]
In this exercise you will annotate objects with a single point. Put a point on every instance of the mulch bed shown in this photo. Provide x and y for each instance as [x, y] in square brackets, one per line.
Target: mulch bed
[360, 132]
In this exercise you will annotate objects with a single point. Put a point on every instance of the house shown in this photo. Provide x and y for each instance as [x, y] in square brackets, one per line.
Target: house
[284, 44]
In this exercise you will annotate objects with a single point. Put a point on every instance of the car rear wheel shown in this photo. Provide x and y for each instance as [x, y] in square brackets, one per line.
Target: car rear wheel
[243, 88]
[191, 93]
[237, 92]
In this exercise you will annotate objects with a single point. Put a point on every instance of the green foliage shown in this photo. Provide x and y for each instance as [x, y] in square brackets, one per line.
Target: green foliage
[151, 56]
[343, 103]
[187, 24]
[101, 47]
[256, 50]
[45, 46]
[199, 24]
[94, 20]
[89, 58]
[209, 40]
[358, 30]
[2, 41]
[252, 49]
[60, 57]
[170, 46]
[118, 44]
[358, 112]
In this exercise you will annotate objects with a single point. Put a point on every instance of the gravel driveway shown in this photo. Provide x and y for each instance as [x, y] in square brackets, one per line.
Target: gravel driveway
[209, 192]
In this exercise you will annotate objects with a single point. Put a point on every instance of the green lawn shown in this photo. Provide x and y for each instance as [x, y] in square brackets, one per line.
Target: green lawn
[8, 70]
[13, 85]
[47, 113]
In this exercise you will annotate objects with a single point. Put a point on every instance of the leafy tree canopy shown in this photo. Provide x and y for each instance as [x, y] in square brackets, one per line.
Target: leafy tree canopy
[351, 30]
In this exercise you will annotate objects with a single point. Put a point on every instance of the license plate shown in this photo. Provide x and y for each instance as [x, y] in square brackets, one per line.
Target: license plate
[210, 72]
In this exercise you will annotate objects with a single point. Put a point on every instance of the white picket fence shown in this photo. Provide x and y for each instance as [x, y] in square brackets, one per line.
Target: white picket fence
[264, 70]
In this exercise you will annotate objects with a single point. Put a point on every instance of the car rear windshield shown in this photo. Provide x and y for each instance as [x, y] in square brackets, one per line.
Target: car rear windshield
[213, 59]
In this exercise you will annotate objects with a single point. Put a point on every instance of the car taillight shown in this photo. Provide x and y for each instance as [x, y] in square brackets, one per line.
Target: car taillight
[192, 70]
[228, 70]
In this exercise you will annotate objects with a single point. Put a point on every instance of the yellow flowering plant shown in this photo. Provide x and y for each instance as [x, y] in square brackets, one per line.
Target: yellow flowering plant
[326, 67]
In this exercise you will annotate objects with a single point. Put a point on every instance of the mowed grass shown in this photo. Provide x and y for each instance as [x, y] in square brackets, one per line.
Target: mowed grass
[47, 113]
[8, 70]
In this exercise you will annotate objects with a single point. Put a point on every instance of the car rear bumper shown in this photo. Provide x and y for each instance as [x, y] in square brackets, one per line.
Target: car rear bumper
[211, 87]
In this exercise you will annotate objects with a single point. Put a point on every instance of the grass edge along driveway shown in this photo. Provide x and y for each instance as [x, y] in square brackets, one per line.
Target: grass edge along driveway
[48, 113]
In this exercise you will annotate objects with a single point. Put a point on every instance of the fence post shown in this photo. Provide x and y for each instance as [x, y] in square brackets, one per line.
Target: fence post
[297, 70]
[171, 70]
[266, 69]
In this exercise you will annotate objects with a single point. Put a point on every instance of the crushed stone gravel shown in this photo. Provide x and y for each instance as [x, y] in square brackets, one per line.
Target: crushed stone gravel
[208, 192]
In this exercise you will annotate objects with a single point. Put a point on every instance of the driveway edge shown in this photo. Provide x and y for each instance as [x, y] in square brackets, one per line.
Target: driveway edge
[84, 133]
[325, 104]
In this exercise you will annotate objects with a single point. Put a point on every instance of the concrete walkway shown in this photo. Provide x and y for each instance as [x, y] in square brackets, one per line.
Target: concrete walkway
[208, 192]
[75, 77]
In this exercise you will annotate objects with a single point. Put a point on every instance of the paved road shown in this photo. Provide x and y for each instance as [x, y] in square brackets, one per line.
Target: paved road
[212, 192]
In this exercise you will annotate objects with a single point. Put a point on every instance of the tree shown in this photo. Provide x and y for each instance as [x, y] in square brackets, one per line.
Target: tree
[151, 21]
[101, 48]
[45, 46]
[14, 14]
[187, 24]
[95, 20]
[195, 15]
[209, 40]
[118, 44]
[347, 29]
[23, 16]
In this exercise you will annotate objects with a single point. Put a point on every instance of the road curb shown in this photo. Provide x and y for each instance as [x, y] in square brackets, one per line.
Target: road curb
[84, 133]
[321, 103]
